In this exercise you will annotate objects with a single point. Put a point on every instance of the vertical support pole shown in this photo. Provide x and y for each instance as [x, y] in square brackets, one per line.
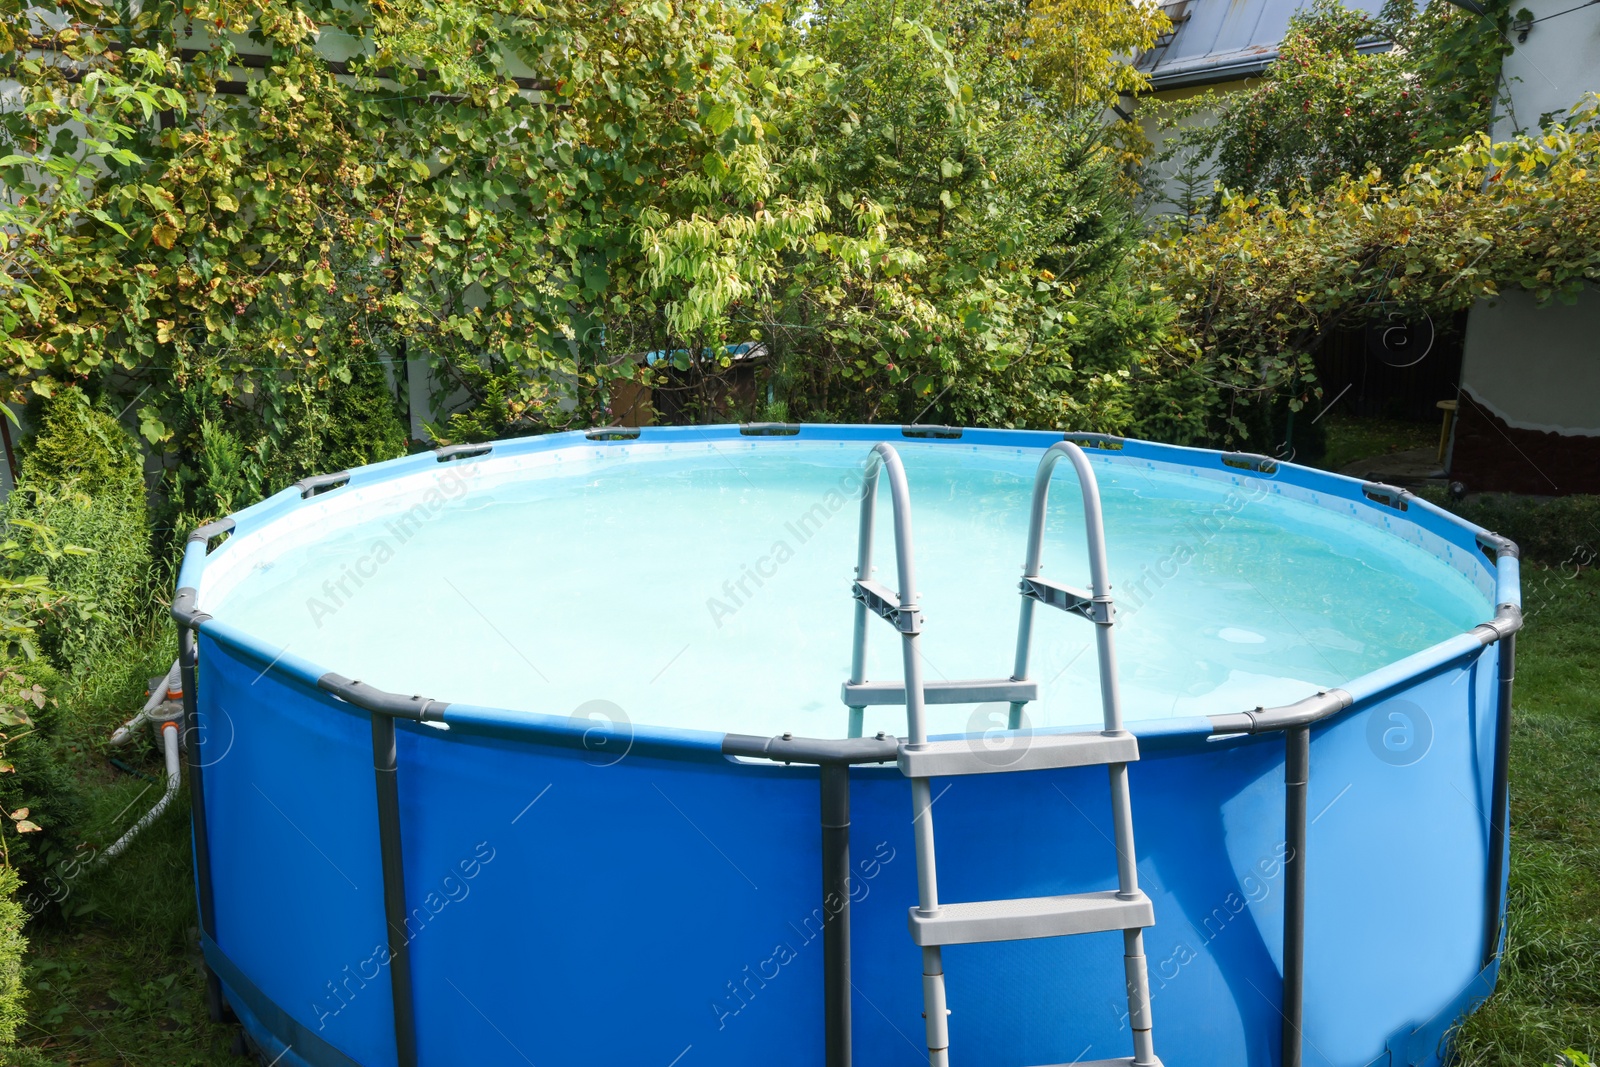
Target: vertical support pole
[858, 657]
[1296, 775]
[858, 642]
[836, 913]
[385, 768]
[1499, 803]
[188, 657]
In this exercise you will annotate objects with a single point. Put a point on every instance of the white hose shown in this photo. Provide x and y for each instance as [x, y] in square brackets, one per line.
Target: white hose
[172, 681]
[169, 739]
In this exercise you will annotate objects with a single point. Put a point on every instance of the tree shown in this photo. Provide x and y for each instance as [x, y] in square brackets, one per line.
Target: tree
[1079, 48]
[1348, 93]
[1263, 283]
[978, 233]
[911, 204]
[234, 241]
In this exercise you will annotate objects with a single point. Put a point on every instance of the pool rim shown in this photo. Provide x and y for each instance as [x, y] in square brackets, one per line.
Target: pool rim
[664, 740]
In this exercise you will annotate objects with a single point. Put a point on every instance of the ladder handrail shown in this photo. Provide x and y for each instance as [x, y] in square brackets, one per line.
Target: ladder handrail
[884, 458]
[1099, 577]
[1094, 521]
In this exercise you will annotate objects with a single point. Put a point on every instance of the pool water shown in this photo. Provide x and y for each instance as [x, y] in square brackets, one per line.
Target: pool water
[663, 585]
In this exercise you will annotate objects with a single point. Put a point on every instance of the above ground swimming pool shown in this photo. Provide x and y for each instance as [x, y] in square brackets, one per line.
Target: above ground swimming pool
[593, 835]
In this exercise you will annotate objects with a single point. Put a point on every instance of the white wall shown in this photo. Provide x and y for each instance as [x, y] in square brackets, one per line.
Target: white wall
[1554, 67]
[1537, 368]
[1166, 195]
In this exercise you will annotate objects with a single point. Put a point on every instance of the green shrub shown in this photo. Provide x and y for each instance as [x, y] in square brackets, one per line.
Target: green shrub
[82, 480]
[20, 1056]
[12, 946]
[41, 774]
[299, 423]
[363, 425]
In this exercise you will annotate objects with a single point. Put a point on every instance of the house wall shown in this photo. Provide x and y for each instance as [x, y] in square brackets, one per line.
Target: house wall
[1165, 192]
[1553, 68]
[1529, 414]
[1529, 418]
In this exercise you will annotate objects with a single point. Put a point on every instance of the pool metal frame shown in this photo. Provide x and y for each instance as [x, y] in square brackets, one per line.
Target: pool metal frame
[834, 757]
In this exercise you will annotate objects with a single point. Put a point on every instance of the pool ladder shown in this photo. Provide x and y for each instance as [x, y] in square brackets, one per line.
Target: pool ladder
[935, 924]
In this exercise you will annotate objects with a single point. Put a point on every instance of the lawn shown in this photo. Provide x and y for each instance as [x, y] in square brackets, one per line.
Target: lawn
[1351, 438]
[1549, 993]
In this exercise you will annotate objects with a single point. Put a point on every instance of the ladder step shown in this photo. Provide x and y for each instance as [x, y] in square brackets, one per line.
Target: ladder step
[1021, 752]
[984, 921]
[1120, 1061]
[971, 691]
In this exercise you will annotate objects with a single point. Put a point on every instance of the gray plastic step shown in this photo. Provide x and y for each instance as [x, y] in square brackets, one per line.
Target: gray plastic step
[969, 691]
[984, 921]
[1026, 752]
[1120, 1061]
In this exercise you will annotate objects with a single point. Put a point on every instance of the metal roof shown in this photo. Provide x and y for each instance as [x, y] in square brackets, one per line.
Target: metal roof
[1218, 40]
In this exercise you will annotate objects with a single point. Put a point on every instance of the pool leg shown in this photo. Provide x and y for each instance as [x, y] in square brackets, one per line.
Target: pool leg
[188, 657]
[836, 913]
[386, 770]
[1296, 775]
[1499, 816]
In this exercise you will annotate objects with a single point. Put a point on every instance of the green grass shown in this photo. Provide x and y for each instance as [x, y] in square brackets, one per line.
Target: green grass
[1561, 531]
[114, 976]
[1548, 997]
[1350, 438]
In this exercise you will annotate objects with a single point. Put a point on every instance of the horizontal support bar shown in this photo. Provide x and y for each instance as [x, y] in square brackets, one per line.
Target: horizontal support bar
[362, 695]
[1104, 441]
[1068, 599]
[813, 750]
[318, 484]
[768, 429]
[1507, 621]
[972, 691]
[463, 451]
[1250, 461]
[1269, 720]
[882, 601]
[1120, 1061]
[1388, 495]
[1016, 751]
[1496, 546]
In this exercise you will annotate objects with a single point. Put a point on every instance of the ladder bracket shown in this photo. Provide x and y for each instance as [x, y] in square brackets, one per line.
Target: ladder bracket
[1097, 610]
[884, 602]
